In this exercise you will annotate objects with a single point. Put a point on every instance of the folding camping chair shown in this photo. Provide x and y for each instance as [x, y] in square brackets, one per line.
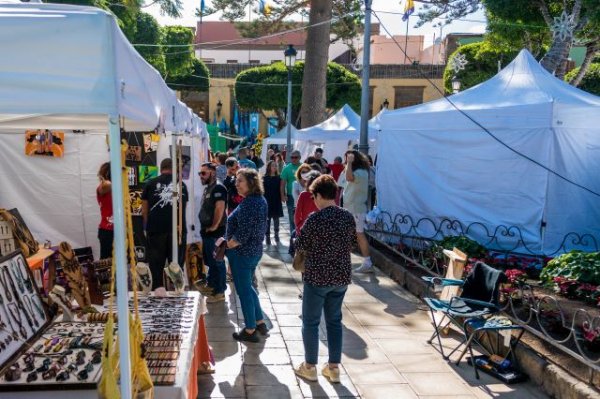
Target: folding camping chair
[478, 299]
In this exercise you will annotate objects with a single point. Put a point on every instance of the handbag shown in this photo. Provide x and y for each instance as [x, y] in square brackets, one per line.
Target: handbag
[219, 251]
[299, 260]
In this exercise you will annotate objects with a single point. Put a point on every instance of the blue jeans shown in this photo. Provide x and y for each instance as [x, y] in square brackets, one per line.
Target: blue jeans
[314, 301]
[291, 206]
[216, 279]
[242, 270]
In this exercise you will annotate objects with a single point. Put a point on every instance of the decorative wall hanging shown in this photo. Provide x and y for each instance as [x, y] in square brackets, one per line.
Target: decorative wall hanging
[135, 199]
[147, 172]
[132, 176]
[134, 153]
[45, 142]
[151, 142]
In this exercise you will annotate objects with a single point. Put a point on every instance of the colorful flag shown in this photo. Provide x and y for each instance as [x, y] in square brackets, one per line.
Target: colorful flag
[264, 8]
[409, 8]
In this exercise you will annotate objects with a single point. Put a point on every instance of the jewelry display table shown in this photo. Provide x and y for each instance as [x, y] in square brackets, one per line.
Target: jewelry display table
[157, 318]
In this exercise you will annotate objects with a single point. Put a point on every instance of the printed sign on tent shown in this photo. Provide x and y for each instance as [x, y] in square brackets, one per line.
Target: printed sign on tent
[45, 142]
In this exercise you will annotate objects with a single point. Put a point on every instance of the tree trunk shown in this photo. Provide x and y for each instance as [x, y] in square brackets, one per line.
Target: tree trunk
[315, 68]
[554, 58]
[590, 52]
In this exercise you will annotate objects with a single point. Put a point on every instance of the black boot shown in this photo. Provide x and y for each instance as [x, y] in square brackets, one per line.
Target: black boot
[268, 239]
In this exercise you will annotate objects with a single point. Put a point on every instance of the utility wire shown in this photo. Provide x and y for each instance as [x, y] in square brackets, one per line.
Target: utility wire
[519, 153]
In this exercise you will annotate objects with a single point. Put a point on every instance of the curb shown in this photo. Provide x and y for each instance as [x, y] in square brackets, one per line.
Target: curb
[552, 380]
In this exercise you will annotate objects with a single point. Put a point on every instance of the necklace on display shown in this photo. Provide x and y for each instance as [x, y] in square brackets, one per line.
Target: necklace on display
[18, 276]
[14, 333]
[18, 301]
[5, 284]
[18, 320]
[40, 310]
[29, 308]
[20, 267]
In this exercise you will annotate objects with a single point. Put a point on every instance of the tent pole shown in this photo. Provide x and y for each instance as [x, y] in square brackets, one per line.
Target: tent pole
[364, 98]
[121, 261]
[174, 199]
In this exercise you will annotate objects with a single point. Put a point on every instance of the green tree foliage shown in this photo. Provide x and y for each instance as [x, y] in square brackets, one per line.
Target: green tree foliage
[265, 88]
[196, 79]
[482, 63]
[149, 32]
[178, 60]
[591, 80]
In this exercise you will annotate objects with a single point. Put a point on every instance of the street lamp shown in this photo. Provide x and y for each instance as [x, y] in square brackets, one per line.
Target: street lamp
[290, 60]
[219, 108]
[455, 85]
[385, 104]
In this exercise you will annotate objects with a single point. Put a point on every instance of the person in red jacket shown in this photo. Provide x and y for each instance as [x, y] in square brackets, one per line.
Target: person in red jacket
[306, 204]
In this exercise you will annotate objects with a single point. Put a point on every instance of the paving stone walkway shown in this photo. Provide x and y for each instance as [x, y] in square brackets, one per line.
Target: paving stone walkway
[385, 354]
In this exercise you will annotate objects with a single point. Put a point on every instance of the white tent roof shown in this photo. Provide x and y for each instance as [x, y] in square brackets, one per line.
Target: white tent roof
[523, 89]
[436, 163]
[68, 66]
[281, 136]
[342, 121]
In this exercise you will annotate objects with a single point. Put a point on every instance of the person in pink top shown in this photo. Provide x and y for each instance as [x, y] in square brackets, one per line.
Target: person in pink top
[306, 204]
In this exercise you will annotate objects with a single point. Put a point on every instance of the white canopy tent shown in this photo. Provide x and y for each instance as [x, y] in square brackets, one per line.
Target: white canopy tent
[69, 67]
[335, 135]
[436, 163]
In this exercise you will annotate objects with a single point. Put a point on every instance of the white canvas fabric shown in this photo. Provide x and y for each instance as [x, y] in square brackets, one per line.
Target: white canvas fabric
[436, 163]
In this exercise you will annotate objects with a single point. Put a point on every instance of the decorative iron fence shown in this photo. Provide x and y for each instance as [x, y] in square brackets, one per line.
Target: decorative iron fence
[575, 331]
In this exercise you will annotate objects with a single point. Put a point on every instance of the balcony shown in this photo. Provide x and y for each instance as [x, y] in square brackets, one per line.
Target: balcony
[378, 71]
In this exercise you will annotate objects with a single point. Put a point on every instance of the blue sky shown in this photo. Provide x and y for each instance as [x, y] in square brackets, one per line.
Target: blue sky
[473, 24]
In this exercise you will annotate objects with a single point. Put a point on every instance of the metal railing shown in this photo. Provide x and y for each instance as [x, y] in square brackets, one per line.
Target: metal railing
[541, 314]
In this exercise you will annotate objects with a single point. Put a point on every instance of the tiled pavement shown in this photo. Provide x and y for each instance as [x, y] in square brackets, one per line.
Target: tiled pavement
[384, 354]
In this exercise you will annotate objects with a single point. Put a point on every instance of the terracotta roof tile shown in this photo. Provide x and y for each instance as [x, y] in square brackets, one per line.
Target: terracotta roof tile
[225, 32]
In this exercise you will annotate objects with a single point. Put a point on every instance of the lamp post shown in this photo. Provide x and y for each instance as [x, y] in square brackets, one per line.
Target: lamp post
[385, 104]
[290, 60]
[455, 85]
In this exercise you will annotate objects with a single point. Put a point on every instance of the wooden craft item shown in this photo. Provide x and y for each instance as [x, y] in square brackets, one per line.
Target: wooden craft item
[74, 274]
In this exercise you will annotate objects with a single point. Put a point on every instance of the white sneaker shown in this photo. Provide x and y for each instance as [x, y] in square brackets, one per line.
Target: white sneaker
[366, 267]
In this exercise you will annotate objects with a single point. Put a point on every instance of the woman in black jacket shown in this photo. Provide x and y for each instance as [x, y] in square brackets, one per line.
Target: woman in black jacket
[271, 182]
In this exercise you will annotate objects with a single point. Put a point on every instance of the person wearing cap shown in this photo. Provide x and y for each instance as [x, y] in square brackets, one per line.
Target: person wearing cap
[243, 160]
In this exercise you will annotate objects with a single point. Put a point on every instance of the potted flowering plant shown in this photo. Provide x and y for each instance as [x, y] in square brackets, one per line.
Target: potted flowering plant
[511, 290]
[591, 337]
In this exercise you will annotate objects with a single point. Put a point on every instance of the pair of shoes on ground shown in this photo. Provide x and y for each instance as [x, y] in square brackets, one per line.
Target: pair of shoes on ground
[366, 267]
[310, 373]
[244, 336]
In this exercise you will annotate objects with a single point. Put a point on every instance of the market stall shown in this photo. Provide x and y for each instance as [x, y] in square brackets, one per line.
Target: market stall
[86, 78]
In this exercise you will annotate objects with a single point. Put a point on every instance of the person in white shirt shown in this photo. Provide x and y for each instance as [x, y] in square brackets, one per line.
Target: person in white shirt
[356, 195]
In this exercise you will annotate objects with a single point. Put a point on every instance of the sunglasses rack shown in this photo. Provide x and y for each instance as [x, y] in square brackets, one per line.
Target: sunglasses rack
[67, 355]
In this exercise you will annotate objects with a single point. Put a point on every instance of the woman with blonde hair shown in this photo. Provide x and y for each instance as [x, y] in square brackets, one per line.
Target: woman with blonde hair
[246, 228]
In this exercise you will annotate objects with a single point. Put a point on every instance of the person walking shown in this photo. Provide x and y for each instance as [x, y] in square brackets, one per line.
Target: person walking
[271, 184]
[288, 176]
[212, 226]
[306, 204]
[104, 198]
[318, 155]
[246, 227]
[355, 197]
[243, 160]
[221, 168]
[327, 236]
[157, 199]
[300, 184]
[233, 198]
[280, 162]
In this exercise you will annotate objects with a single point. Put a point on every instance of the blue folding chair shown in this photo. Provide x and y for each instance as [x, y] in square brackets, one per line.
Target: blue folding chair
[479, 299]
